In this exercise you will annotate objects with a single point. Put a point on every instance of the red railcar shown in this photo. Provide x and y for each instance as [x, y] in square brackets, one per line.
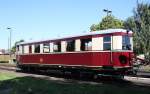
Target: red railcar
[102, 52]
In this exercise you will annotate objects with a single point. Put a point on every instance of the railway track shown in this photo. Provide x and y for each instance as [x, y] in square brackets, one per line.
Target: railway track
[9, 68]
[13, 68]
[143, 74]
[140, 80]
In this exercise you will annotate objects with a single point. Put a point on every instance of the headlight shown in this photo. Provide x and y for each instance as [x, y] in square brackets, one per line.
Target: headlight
[123, 59]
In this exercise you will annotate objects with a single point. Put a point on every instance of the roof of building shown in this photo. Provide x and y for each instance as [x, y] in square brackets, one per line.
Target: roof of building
[107, 31]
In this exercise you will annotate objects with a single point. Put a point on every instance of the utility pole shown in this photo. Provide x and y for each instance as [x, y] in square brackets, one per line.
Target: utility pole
[10, 38]
[108, 12]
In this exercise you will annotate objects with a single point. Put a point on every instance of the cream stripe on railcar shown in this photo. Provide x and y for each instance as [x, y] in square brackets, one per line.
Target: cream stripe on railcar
[20, 49]
[51, 47]
[26, 49]
[77, 44]
[117, 42]
[33, 48]
[41, 48]
[63, 46]
[97, 43]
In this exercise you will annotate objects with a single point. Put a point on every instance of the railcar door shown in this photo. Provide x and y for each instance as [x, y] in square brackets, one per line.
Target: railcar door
[107, 47]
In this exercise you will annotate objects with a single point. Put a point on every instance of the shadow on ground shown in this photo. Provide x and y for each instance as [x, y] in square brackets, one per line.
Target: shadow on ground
[32, 85]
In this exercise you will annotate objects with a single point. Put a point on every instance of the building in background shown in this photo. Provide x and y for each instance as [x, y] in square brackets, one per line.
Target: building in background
[2, 51]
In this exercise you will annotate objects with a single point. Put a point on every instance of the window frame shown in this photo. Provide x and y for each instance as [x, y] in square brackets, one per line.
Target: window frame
[47, 47]
[106, 42]
[58, 44]
[36, 48]
[70, 45]
[85, 44]
[126, 42]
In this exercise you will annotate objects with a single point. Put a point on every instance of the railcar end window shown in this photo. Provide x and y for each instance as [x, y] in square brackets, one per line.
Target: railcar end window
[86, 44]
[37, 48]
[126, 45]
[17, 48]
[46, 47]
[70, 45]
[107, 42]
[57, 47]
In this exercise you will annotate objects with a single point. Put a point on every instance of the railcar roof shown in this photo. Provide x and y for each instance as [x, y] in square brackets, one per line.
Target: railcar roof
[107, 31]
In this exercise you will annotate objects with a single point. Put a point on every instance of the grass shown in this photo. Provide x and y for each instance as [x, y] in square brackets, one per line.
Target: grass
[9, 84]
[6, 76]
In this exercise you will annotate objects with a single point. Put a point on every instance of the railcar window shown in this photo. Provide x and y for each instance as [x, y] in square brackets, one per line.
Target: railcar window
[86, 44]
[126, 45]
[46, 47]
[17, 48]
[57, 47]
[70, 45]
[37, 48]
[107, 43]
[30, 49]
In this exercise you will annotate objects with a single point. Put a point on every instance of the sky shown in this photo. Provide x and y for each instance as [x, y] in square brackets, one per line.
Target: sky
[46, 19]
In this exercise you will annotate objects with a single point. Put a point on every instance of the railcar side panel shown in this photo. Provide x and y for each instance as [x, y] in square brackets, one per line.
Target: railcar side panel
[96, 59]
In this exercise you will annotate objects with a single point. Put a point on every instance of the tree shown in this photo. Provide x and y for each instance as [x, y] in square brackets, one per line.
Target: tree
[95, 27]
[129, 23]
[142, 29]
[107, 22]
[140, 25]
[13, 50]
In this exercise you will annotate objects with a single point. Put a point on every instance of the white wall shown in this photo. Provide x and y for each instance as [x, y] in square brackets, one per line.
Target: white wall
[20, 49]
[41, 48]
[131, 41]
[117, 42]
[51, 47]
[63, 46]
[97, 43]
[33, 48]
[77, 44]
[26, 49]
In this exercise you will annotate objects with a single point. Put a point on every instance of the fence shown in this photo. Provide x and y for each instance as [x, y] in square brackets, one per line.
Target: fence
[4, 58]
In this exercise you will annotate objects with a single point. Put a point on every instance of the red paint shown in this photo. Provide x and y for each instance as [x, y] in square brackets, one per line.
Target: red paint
[85, 59]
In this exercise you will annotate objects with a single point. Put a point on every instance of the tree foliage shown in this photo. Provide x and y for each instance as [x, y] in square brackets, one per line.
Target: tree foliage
[129, 23]
[142, 28]
[107, 22]
[140, 24]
